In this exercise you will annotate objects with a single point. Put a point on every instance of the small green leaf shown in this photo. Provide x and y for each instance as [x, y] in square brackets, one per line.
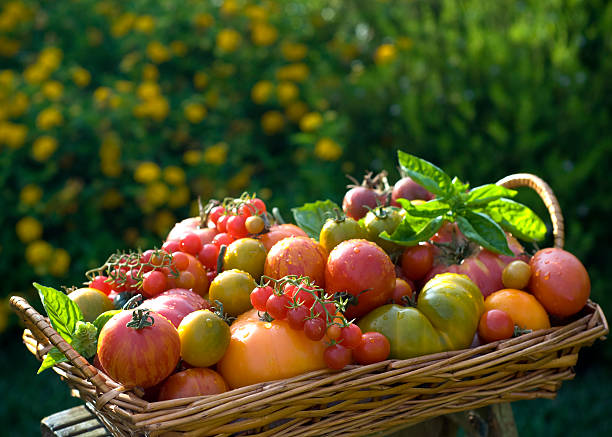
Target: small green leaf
[312, 216]
[459, 186]
[103, 318]
[426, 174]
[483, 230]
[411, 231]
[62, 311]
[431, 209]
[54, 356]
[517, 219]
[484, 194]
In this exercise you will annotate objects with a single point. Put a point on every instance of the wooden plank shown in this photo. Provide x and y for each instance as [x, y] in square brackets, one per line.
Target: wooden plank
[74, 422]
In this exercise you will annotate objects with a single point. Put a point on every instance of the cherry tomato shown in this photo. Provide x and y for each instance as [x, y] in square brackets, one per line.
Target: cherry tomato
[236, 226]
[417, 261]
[277, 306]
[402, 291]
[374, 347]
[100, 283]
[154, 283]
[208, 256]
[171, 246]
[301, 294]
[222, 223]
[180, 260]
[191, 244]
[333, 332]
[215, 213]
[516, 275]
[254, 224]
[350, 336]
[296, 316]
[223, 238]
[495, 325]
[315, 328]
[337, 356]
[259, 297]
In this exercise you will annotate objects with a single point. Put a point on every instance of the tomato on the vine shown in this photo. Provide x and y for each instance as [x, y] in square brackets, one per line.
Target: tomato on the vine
[277, 306]
[254, 224]
[337, 356]
[315, 328]
[191, 244]
[101, 283]
[154, 283]
[350, 336]
[296, 316]
[236, 226]
[374, 347]
[259, 297]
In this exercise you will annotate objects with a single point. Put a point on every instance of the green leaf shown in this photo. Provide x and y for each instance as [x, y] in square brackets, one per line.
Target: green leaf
[54, 356]
[426, 174]
[483, 230]
[517, 219]
[412, 230]
[312, 216]
[103, 318]
[484, 194]
[62, 311]
[431, 209]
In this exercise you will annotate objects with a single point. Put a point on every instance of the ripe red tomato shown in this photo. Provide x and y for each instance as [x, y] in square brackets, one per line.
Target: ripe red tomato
[301, 256]
[402, 292]
[190, 243]
[406, 188]
[137, 357]
[277, 306]
[362, 269]
[101, 283]
[417, 260]
[259, 297]
[191, 274]
[199, 381]
[358, 201]
[337, 356]
[350, 336]
[278, 232]
[176, 303]
[315, 328]
[374, 347]
[191, 225]
[559, 281]
[296, 316]
[495, 325]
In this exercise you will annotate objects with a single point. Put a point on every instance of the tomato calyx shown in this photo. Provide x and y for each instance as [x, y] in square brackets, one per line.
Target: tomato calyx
[518, 331]
[141, 318]
[205, 210]
[264, 316]
[456, 250]
[218, 310]
[345, 299]
[133, 302]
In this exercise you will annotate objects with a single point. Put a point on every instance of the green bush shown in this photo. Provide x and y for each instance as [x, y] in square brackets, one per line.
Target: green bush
[115, 116]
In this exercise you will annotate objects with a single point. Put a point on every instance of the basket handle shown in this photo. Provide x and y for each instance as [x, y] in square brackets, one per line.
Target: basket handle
[30, 315]
[547, 196]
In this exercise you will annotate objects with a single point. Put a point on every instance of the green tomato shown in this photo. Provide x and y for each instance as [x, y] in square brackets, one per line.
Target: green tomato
[247, 254]
[445, 318]
[335, 231]
[381, 219]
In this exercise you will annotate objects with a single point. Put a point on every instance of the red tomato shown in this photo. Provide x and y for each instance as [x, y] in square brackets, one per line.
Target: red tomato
[197, 381]
[277, 306]
[296, 316]
[100, 283]
[139, 357]
[403, 291]
[417, 261]
[358, 201]
[259, 297]
[350, 336]
[278, 232]
[176, 303]
[559, 281]
[315, 328]
[362, 269]
[301, 256]
[190, 243]
[495, 325]
[337, 356]
[406, 188]
[196, 279]
[374, 347]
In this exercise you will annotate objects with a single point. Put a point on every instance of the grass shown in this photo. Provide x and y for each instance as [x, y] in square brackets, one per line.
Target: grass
[582, 406]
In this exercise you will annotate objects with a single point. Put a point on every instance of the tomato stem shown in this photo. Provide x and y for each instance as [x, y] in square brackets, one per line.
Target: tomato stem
[141, 318]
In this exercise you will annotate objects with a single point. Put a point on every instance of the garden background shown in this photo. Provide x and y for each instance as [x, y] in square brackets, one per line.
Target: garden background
[115, 116]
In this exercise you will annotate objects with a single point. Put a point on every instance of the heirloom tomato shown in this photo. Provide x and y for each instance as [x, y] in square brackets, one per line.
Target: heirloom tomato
[233, 289]
[362, 269]
[246, 254]
[383, 218]
[204, 338]
[91, 302]
[265, 351]
[175, 304]
[445, 318]
[300, 256]
[407, 188]
[139, 348]
[524, 309]
[359, 200]
[337, 230]
[188, 226]
[278, 232]
[191, 274]
[192, 382]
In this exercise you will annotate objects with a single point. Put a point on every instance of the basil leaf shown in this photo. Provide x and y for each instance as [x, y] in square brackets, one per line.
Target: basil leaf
[411, 231]
[517, 219]
[483, 230]
[53, 357]
[431, 209]
[426, 174]
[103, 318]
[460, 187]
[484, 194]
[312, 216]
[62, 311]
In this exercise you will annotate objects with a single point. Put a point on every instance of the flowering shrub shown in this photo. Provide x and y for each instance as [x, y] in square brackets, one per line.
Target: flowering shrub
[115, 116]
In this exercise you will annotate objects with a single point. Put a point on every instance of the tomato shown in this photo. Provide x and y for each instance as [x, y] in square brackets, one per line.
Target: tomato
[278, 232]
[495, 325]
[417, 261]
[337, 357]
[236, 226]
[246, 254]
[373, 348]
[459, 255]
[191, 225]
[300, 256]
[204, 338]
[445, 318]
[223, 238]
[559, 281]
[192, 274]
[406, 188]
[297, 315]
[101, 283]
[266, 351]
[362, 269]
[192, 382]
[190, 243]
[215, 213]
[208, 256]
[175, 304]
[335, 231]
[523, 308]
[315, 328]
[383, 219]
[277, 306]
[154, 282]
[233, 289]
[139, 357]
[402, 292]
[259, 296]
[350, 336]
[91, 302]
[358, 201]
[254, 224]
[516, 275]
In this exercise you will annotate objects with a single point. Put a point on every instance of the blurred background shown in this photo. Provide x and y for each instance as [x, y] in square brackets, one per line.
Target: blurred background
[115, 116]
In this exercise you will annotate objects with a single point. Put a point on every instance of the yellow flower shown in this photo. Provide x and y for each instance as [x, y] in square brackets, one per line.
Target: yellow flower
[179, 197]
[30, 194]
[263, 34]
[19, 104]
[112, 199]
[200, 80]
[229, 7]
[192, 157]
[148, 90]
[28, 229]
[102, 94]
[7, 78]
[195, 112]
[174, 175]
[327, 149]
[43, 148]
[38, 252]
[179, 48]
[12, 134]
[294, 52]
[256, 13]
[36, 74]
[49, 118]
[53, 90]
[217, 154]
[123, 25]
[124, 86]
[203, 21]
[295, 72]
[144, 24]
[112, 169]
[157, 108]
[60, 262]
[163, 222]
[157, 52]
[50, 57]
[272, 122]
[311, 122]
[228, 40]
[384, 54]
[147, 172]
[8, 47]
[296, 110]
[81, 77]
[286, 92]
[157, 193]
[240, 180]
[261, 91]
[150, 72]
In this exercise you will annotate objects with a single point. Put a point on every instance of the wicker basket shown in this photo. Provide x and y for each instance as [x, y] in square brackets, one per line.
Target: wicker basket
[359, 400]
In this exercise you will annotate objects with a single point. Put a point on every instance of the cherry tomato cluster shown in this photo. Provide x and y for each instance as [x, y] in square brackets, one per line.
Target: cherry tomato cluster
[306, 307]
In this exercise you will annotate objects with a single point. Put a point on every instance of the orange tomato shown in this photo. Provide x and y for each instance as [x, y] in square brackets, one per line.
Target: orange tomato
[266, 351]
[522, 307]
[278, 232]
[197, 381]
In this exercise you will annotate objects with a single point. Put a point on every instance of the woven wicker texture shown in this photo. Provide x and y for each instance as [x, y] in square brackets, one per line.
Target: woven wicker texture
[357, 401]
